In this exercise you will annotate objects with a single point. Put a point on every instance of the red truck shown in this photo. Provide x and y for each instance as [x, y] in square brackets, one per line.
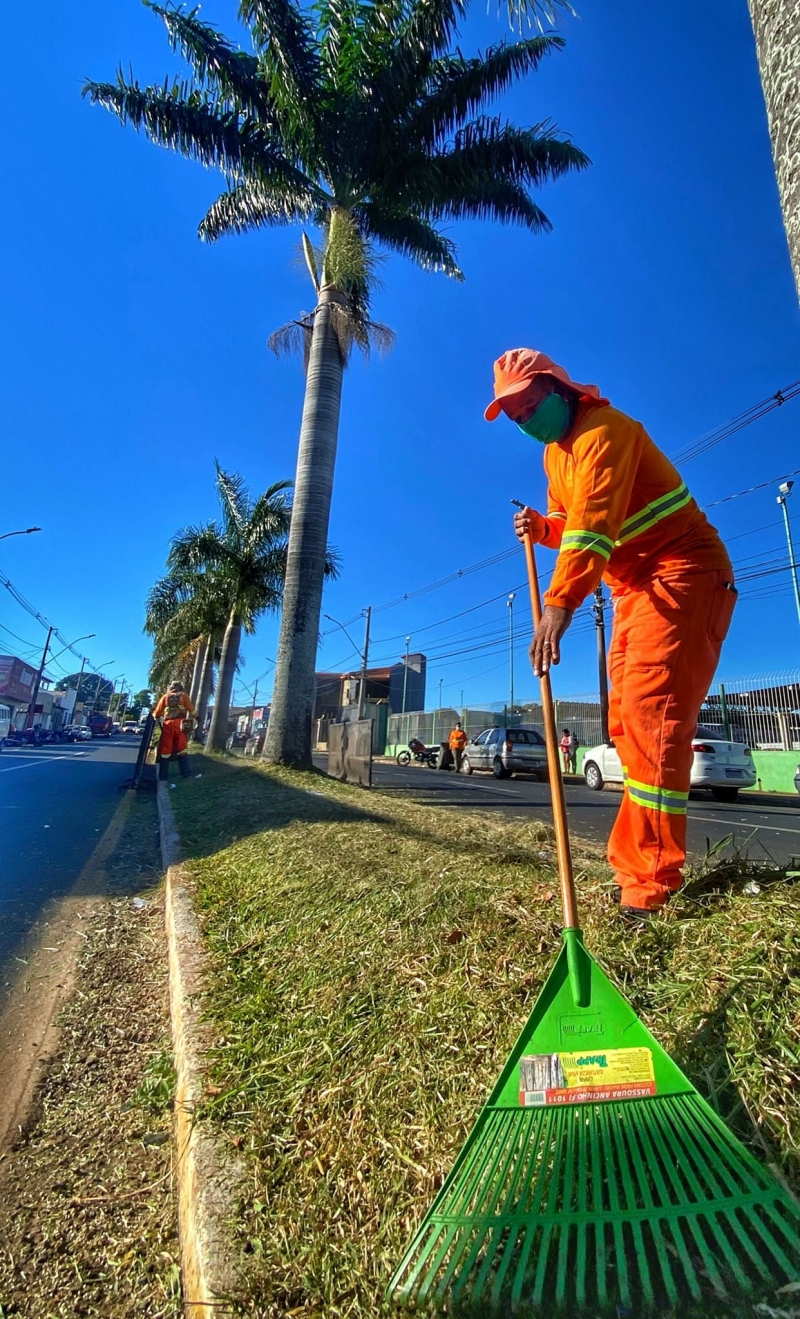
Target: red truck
[101, 725]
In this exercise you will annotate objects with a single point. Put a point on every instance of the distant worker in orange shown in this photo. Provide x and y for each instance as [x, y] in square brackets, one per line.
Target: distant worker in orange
[458, 740]
[618, 510]
[172, 709]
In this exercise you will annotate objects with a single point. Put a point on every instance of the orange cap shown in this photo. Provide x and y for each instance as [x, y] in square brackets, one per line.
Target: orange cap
[514, 371]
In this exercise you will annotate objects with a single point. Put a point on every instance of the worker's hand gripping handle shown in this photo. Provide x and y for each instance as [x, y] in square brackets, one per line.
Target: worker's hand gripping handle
[578, 963]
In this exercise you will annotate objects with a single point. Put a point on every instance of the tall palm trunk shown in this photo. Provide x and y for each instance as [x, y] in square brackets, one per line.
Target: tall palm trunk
[197, 671]
[218, 732]
[288, 740]
[776, 24]
[206, 683]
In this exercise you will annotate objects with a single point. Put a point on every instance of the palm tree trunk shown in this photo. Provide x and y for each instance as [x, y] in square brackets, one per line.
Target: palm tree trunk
[197, 671]
[776, 25]
[288, 740]
[206, 683]
[218, 732]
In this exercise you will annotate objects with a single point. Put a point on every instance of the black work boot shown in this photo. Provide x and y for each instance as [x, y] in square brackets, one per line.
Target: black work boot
[163, 768]
[185, 768]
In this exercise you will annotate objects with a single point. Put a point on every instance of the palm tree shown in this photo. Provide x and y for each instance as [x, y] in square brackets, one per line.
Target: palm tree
[246, 554]
[367, 122]
[186, 614]
[776, 26]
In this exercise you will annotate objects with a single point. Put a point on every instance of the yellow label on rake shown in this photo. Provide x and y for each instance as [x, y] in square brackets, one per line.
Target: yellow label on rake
[589, 1077]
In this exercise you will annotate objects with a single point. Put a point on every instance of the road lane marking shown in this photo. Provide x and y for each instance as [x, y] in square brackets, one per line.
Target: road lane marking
[48, 761]
[757, 828]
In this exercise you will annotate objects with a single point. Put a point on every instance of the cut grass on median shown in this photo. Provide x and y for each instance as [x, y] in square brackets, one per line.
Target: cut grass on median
[373, 962]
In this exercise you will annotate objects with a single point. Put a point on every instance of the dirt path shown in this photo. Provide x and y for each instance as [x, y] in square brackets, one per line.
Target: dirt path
[87, 1222]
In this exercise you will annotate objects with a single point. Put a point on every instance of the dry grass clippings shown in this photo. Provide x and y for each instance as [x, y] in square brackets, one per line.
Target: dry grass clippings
[374, 961]
[87, 1220]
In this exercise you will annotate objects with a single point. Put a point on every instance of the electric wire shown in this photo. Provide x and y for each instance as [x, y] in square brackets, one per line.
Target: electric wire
[746, 418]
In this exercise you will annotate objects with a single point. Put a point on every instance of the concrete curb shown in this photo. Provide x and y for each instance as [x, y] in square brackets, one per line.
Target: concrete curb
[207, 1176]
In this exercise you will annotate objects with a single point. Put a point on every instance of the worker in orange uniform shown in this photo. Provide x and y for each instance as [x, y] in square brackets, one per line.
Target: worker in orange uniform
[457, 741]
[172, 709]
[618, 510]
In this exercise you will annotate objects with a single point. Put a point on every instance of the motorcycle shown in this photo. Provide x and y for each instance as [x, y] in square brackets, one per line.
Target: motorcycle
[421, 754]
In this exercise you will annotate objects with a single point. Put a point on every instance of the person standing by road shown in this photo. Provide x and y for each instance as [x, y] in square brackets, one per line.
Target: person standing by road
[458, 740]
[173, 708]
[618, 510]
[565, 747]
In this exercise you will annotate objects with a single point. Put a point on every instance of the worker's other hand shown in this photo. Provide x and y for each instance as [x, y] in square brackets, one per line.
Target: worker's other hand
[545, 647]
[529, 520]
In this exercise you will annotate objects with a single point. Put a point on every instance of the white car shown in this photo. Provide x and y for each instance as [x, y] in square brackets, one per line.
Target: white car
[722, 767]
[81, 735]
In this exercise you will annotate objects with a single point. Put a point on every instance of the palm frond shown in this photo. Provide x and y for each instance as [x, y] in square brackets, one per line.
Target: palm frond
[217, 63]
[483, 150]
[294, 338]
[270, 517]
[195, 549]
[235, 502]
[536, 12]
[289, 54]
[458, 87]
[255, 204]
[412, 236]
[181, 118]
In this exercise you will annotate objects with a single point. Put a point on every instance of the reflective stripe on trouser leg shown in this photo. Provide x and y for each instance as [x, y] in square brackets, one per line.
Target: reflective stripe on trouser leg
[173, 739]
[666, 644]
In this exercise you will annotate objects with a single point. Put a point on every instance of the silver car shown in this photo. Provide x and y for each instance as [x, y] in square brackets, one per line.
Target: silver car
[507, 751]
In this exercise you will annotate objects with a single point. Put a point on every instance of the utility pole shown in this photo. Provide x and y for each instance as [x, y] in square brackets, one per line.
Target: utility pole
[785, 491]
[510, 604]
[253, 708]
[37, 682]
[362, 693]
[78, 689]
[405, 675]
[598, 609]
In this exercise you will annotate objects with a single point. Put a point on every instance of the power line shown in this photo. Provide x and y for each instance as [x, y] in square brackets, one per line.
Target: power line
[34, 613]
[746, 418]
[762, 486]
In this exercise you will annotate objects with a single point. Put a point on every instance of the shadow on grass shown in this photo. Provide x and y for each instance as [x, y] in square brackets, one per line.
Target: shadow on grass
[212, 817]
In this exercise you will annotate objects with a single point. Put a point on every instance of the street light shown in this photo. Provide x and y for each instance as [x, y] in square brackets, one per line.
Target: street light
[510, 605]
[26, 532]
[362, 690]
[88, 637]
[405, 675]
[108, 665]
[785, 489]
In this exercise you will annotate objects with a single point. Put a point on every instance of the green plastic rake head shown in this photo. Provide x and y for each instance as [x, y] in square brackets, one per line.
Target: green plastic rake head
[624, 1193]
[596, 1179]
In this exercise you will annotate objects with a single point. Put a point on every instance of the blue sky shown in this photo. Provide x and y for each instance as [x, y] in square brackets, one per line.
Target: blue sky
[132, 355]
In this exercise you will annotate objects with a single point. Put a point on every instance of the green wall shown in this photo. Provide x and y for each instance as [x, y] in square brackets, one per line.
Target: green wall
[776, 770]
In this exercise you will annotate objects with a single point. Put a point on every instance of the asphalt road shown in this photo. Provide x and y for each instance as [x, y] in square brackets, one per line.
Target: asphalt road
[765, 825]
[55, 804]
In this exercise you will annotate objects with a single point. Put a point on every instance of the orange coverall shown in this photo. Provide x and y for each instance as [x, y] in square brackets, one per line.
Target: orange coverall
[618, 509]
[174, 707]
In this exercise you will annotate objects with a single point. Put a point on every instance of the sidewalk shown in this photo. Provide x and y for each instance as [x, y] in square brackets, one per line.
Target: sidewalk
[370, 963]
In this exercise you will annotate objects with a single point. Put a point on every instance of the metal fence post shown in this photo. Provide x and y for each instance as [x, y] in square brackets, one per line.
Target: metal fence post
[726, 723]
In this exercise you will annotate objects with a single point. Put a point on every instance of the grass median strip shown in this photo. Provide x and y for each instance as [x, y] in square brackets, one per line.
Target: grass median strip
[373, 961]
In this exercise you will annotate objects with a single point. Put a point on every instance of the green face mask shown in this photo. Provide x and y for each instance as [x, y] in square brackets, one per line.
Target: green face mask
[549, 422]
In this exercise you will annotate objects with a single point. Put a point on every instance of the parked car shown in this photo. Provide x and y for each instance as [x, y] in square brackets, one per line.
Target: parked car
[722, 767]
[797, 778]
[131, 726]
[507, 751]
[78, 733]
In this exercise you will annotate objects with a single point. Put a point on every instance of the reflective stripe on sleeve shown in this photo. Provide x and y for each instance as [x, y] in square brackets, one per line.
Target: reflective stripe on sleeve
[587, 540]
[648, 516]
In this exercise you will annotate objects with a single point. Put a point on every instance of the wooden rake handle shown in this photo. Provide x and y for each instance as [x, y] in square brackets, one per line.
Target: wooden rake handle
[566, 878]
